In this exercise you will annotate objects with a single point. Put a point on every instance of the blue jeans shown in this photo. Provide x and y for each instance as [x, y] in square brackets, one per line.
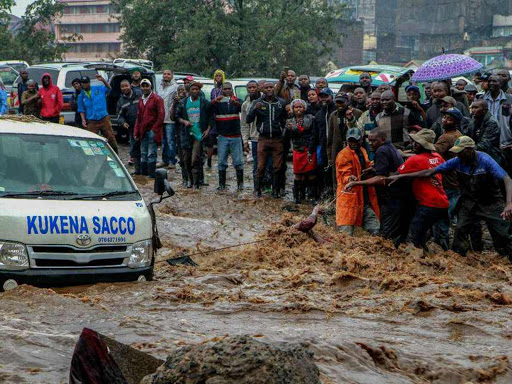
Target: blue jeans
[169, 144]
[148, 148]
[233, 146]
[134, 147]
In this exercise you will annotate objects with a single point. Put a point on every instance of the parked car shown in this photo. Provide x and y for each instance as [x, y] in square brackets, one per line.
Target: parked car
[240, 85]
[62, 75]
[148, 64]
[9, 75]
[17, 65]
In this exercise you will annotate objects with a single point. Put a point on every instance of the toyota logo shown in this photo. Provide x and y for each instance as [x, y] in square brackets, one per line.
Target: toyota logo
[83, 240]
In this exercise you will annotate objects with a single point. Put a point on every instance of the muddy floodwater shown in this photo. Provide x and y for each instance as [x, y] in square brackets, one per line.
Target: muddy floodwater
[370, 313]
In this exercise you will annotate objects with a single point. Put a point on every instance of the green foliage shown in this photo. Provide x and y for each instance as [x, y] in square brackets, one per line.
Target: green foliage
[5, 9]
[243, 37]
[35, 41]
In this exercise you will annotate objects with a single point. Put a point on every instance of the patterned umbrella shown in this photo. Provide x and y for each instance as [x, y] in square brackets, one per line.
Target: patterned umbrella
[445, 67]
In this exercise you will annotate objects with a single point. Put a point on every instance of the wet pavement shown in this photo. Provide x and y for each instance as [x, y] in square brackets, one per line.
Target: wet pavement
[370, 313]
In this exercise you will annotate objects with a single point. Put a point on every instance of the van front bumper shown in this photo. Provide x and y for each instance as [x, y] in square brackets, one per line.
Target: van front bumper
[55, 277]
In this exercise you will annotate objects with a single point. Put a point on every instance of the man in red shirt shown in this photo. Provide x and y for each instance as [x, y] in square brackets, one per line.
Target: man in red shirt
[432, 202]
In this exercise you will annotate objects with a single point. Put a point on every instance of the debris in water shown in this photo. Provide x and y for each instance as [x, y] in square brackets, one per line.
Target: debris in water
[238, 360]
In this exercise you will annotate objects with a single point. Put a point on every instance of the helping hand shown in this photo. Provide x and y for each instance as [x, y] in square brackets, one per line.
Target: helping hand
[507, 212]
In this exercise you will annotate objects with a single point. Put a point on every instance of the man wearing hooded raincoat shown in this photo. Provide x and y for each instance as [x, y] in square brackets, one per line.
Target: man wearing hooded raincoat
[51, 100]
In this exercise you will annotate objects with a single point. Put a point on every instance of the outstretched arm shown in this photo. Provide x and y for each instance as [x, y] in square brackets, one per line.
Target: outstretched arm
[376, 180]
[425, 173]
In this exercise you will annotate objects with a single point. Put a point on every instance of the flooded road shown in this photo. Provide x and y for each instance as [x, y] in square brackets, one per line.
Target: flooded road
[370, 313]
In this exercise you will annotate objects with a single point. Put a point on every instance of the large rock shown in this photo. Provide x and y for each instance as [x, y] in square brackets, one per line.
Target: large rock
[238, 360]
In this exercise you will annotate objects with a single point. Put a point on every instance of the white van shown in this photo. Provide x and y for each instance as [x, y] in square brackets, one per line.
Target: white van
[69, 210]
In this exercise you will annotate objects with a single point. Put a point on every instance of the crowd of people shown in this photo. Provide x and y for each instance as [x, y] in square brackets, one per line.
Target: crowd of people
[406, 170]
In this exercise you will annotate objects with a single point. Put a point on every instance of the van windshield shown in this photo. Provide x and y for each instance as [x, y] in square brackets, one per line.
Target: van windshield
[56, 167]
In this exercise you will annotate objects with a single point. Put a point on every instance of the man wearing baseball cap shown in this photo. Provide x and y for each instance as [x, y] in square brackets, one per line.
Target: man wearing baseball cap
[450, 123]
[92, 106]
[471, 91]
[358, 207]
[479, 177]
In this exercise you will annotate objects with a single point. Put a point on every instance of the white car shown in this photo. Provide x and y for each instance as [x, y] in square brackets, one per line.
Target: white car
[69, 210]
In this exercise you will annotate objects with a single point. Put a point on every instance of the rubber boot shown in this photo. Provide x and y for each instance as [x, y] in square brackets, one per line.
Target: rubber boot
[257, 186]
[151, 170]
[190, 180]
[302, 190]
[184, 176]
[144, 168]
[296, 191]
[197, 179]
[275, 185]
[201, 178]
[222, 181]
[240, 179]
[136, 166]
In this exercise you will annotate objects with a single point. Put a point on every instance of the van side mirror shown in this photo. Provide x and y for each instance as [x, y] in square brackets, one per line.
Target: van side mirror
[161, 183]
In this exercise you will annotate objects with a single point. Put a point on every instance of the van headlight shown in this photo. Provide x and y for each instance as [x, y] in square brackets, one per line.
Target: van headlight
[142, 253]
[13, 256]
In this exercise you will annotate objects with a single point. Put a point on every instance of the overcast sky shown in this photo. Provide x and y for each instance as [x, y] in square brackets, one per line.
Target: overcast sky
[20, 7]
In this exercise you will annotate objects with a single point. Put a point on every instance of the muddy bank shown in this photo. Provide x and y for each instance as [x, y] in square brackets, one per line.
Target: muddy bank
[370, 313]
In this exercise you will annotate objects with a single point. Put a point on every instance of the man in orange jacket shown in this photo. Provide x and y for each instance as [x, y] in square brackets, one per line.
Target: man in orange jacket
[358, 207]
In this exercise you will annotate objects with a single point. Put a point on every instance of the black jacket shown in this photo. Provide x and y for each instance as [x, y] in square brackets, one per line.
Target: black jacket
[270, 119]
[434, 112]
[322, 123]
[74, 107]
[486, 134]
[304, 139]
[127, 107]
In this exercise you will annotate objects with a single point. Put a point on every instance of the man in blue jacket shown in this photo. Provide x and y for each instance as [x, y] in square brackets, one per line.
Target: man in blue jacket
[92, 106]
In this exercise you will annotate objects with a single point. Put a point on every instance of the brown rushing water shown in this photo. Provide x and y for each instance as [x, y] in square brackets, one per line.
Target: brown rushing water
[371, 314]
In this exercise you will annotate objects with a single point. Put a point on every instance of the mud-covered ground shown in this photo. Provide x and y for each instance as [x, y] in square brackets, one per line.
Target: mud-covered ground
[370, 313]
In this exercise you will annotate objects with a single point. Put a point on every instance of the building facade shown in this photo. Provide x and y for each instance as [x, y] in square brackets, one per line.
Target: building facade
[95, 21]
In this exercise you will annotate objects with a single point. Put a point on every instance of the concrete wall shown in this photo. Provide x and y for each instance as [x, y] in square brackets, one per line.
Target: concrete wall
[352, 51]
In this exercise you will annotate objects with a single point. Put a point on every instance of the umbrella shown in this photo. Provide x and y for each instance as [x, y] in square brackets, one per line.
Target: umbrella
[445, 67]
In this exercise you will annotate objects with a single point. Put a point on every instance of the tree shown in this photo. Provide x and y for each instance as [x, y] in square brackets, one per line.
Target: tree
[35, 40]
[243, 37]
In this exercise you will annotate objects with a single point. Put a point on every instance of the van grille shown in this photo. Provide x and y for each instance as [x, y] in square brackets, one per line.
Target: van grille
[68, 256]
[64, 249]
[70, 263]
